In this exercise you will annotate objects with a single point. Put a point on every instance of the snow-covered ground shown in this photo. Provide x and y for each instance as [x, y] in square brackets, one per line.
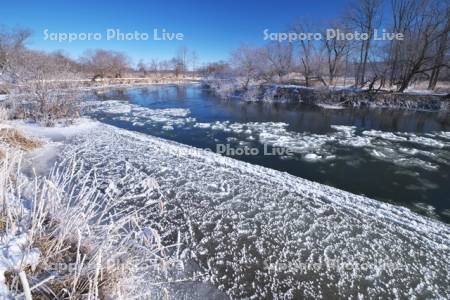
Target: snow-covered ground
[40, 160]
[15, 252]
[257, 232]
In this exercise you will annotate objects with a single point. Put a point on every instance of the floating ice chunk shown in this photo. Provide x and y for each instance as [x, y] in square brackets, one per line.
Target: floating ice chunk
[347, 130]
[142, 116]
[312, 157]
[377, 153]
[356, 141]
[410, 151]
[443, 135]
[113, 107]
[202, 125]
[232, 139]
[416, 162]
[390, 136]
[426, 141]
[329, 106]
[167, 127]
[387, 146]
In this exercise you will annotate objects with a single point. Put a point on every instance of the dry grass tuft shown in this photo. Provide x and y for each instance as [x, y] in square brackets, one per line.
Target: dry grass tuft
[2, 154]
[18, 140]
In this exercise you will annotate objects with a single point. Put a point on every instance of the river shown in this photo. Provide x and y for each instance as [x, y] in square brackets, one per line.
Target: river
[399, 157]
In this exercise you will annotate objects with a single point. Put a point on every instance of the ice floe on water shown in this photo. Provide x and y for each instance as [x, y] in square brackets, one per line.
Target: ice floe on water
[138, 115]
[426, 151]
[405, 149]
[259, 233]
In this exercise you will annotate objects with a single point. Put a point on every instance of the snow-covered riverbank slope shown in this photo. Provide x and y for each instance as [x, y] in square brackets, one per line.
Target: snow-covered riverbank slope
[257, 232]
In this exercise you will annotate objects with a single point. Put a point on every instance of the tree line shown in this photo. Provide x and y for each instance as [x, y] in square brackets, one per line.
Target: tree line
[46, 86]
[422, 54]
[19, 64]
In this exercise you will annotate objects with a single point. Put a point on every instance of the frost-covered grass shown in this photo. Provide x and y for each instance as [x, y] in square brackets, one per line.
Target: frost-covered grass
[62, 236]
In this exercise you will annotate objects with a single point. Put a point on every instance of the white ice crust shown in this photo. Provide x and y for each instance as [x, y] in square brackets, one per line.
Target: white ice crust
[261, 233]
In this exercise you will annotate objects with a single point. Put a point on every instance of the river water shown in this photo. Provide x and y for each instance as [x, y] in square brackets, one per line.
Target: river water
[400, 157]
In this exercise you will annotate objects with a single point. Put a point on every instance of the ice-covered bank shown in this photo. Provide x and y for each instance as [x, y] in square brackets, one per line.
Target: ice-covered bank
[257, 232]
[344, 96]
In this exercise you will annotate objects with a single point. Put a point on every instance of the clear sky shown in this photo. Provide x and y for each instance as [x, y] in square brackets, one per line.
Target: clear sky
[211, 28]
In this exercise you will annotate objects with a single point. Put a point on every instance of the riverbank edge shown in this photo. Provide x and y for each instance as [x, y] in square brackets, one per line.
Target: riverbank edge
[337, 98]
[89, 85]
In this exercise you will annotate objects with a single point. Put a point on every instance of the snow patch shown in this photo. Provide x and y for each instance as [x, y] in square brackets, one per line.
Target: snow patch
[14, 255]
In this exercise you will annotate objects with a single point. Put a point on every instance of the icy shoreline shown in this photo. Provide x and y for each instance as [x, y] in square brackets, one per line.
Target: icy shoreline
[237, 219]
[331, 98]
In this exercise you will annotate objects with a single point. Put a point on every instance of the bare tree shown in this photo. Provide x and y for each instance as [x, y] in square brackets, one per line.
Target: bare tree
[182, 59]
[365, 16]
[419, 53]
[164, 65]
[279, 58]
[403, 14]
[215, 69]
[245, 61]
[307, 49]
[177, 66]
[194, 61]
[154, 66]
[142, 67]
[442, 49]
[336, 50]
[104, 63]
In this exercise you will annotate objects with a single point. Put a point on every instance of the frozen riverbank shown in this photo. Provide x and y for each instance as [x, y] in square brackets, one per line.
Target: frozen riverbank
[332, 97]
[259, 232]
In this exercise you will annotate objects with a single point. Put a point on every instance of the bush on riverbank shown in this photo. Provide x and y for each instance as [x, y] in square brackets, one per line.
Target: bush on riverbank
[46, 109]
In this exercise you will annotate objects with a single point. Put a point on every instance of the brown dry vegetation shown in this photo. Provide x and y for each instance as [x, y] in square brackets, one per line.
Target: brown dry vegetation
[17, 140]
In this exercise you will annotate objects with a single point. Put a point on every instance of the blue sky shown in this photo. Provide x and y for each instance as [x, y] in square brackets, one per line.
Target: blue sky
[211, 28]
